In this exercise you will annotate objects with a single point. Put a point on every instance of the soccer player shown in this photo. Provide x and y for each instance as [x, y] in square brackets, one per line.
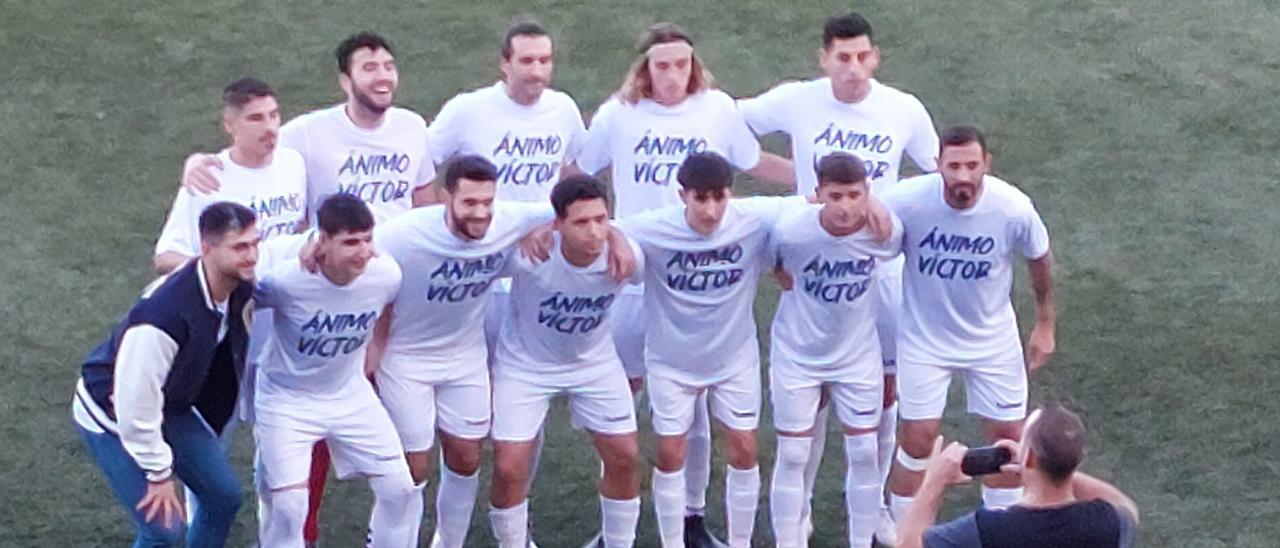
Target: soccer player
[153, 397]
[667, 108]
[365, 146]
[963, 231]
[270, 180]
[312, 385]
[702, 262]
[848, 110]
[432, 373]
[557, 340]
[824, 338]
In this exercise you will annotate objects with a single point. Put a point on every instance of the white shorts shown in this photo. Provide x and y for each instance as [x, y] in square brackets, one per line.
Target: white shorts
[457, 403]
[628, 332]
[358, 431]
[995, 392]
[493, 315]
[735, 402]
[795, 392]
[888, 282]
[600, 403]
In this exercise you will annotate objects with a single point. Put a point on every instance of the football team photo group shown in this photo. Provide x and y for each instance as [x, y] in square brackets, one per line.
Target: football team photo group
[401, 299]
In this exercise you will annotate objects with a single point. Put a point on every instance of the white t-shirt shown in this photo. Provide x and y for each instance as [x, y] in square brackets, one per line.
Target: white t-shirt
[559, 326]
[320, 329]
[956, 308]
[700, 290]
[828, 319]
[646, 143]
[878, 129]
[438, 317]
[381, 166]
[528, 144]
[277, 193]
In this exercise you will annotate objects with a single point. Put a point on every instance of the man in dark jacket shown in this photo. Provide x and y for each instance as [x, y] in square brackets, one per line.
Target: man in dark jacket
[152, 397]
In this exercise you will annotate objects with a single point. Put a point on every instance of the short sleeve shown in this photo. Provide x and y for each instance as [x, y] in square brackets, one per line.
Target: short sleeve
[528, 215]
[181, 232]
[1031, 237]
[265, 292]
[596, 151]
[392, 237]
[577, 133]
[442, 134]
[744, 149]
[767, 113]
[294, 135]
[959, 533]
[922, 146]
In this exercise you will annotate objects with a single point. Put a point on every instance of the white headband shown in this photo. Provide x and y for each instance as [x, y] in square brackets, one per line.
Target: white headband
[677, 48]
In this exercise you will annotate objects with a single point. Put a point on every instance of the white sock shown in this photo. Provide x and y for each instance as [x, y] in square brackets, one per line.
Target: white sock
[668, 504]
[620, 518]
[510, 525]
[887, 436]
[997, 498]
[786, 494]
[697, 461]
[816, 451]
[898, 505]
[455, 500]
[861, 488]
[741, 500]
[284, 511]
[395, 514]
[416, 508]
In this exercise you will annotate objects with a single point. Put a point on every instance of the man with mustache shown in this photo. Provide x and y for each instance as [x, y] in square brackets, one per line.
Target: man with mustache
[963, 231]
[848, 110]
[429, 357]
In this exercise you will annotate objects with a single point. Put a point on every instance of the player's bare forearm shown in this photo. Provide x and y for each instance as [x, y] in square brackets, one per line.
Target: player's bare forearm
[774, 169]
[169, 261]
[377, 343]
[622, 261]
[1042, 284]
[426, 195]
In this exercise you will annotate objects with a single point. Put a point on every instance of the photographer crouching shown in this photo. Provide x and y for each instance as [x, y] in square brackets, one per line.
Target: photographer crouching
[1061, 507]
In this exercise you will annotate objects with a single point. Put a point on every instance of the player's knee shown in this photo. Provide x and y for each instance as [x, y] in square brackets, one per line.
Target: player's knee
[793, 452]
[862, 452]
[742, 453]
[671, 453]
[463, 458]
[622, 457]
[419, 467]
[510, 470]
[393, 488]
[224, 498]
[1004, 430]
[916, 439]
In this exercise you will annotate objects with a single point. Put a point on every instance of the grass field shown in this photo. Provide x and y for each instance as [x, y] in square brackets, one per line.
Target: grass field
[1145, 130]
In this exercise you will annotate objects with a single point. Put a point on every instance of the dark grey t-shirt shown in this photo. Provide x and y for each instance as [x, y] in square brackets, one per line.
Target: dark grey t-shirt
[1078, 525]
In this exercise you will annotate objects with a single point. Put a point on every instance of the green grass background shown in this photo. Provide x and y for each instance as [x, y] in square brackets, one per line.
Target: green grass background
[1145, 131]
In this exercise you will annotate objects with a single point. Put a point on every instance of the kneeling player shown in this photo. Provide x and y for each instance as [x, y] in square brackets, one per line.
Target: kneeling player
[824, 340]
[557, 340]
[312, 386]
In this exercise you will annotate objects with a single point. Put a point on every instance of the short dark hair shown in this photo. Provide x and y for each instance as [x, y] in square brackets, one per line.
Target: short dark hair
[705, 172]
[221, 218]
[351, 44]
[1057, 440]
[850, 25]
[341, 212]
[468, 166]
[237, 94]
[574, 188]
[961, 135]
[528, 27]
[841, 168]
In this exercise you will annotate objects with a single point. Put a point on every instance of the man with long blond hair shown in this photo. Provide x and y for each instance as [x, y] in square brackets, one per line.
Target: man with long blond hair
[667, 108]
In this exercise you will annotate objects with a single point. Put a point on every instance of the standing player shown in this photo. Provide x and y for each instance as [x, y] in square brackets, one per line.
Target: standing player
[366, 147]
[433, 375]
[152, 397]
[312, 385]
[667, 108]
[849, 111]
[557, 340]
[702, 262]
[824, 338]
[963, 231]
